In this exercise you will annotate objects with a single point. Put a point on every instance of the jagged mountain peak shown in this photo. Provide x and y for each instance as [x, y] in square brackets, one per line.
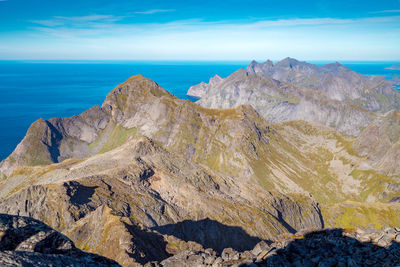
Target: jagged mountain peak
[335, 68]
[288, 61]
[124, 100]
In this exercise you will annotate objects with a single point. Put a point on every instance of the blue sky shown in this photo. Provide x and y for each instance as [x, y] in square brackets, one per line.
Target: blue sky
[200, 30]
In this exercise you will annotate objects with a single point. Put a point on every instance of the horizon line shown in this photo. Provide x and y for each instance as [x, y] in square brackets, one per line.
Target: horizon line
[203, 60]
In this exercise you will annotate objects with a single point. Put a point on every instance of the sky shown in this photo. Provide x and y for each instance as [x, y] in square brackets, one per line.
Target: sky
[199, 30]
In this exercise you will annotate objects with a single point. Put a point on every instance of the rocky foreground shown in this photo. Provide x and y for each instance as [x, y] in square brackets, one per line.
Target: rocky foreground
[28, 242]
[328, 247]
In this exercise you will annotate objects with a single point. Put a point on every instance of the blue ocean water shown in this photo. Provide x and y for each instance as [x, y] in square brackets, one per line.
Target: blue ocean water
[44, 89]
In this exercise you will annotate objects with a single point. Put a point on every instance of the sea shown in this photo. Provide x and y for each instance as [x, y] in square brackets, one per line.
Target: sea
[30, 90]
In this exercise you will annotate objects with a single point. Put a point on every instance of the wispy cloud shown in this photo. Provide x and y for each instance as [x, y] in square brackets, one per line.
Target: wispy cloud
[114, 37]
[109, 22]
[102, 25]
[302, 22]
[154, 11]
[385, 11]
[78, 20]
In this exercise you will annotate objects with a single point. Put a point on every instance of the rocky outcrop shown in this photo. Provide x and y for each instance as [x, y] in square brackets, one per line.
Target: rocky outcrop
[200, 90]
[28, 242]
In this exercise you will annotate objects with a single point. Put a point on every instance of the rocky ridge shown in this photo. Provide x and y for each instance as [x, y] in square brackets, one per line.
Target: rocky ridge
[25, 241]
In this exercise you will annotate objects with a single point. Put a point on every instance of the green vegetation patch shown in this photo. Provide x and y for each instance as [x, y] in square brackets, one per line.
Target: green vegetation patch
[118, 136]
[355, 215]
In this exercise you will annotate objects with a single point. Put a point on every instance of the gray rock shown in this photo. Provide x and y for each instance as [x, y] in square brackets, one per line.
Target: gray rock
[260, 247]
[384, 241]
[228, 254]
[218, 262]
[397, 238]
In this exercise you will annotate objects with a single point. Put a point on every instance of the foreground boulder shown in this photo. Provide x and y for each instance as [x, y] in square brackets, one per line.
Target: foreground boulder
[28, 242]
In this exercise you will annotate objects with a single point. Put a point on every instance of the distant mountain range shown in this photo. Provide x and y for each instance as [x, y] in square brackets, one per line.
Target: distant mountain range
[147, 177]
[331, 94]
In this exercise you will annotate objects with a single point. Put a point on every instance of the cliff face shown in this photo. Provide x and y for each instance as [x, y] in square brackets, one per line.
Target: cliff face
[147, 175]
[291, 90]
[202, 89]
